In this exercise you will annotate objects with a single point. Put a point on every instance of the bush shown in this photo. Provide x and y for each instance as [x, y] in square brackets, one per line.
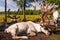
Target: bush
[27, 12]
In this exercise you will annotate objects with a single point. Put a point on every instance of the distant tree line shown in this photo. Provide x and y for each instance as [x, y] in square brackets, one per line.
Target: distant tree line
[27, 12]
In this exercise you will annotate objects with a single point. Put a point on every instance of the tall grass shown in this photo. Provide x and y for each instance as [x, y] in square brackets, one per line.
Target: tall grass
[28, 17]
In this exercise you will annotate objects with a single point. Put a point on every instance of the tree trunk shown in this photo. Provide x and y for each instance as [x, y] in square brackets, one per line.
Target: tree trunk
[24, 16]
[5, 19]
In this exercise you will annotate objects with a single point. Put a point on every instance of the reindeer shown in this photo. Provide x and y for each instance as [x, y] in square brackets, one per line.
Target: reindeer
[55, 17]
[29, 27]
[13, 18]
[48, 9]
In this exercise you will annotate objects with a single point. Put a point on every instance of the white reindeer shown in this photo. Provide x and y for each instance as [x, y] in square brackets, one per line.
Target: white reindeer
[29, 27]
[55, 16]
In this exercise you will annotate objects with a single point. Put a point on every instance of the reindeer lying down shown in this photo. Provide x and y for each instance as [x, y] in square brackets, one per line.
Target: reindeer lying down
[29, 27]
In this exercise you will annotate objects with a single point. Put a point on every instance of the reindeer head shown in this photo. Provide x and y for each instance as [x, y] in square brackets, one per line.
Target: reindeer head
[46, 31]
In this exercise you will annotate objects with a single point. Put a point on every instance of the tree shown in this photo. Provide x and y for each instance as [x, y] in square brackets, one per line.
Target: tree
[5, 19]
[21, 4]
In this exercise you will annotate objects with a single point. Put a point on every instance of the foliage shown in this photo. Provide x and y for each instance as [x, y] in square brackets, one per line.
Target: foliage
[27, 12]
[19, 3]
[31, 0]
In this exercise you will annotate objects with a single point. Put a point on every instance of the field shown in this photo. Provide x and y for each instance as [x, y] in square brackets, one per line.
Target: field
[40, 36]
[28, 17]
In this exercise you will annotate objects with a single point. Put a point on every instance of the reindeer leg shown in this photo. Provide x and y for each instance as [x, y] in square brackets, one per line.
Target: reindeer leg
[20, 37]
[14, 36]
[31, 33]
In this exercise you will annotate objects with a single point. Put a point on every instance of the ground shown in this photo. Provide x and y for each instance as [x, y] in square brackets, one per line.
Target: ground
[40, 36]
[55, 36]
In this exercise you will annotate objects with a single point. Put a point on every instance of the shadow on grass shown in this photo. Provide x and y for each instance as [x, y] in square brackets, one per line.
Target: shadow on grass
[56, 32]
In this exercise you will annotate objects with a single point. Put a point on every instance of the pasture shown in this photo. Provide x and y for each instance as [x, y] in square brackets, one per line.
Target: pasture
[28, 17]
[4, 36]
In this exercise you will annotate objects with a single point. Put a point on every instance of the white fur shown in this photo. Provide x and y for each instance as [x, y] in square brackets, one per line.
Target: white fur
[12, 29]
[25, 26]
[39, 28]
[55, 17]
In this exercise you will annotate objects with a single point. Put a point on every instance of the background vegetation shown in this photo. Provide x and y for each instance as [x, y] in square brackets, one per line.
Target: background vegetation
[30, 15]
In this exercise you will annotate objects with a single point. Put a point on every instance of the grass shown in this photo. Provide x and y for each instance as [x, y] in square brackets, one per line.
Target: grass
[56, 36]
[28, 17]
[1, 17]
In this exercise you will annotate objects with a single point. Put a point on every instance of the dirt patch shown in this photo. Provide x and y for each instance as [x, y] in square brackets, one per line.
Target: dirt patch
[40, 36]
